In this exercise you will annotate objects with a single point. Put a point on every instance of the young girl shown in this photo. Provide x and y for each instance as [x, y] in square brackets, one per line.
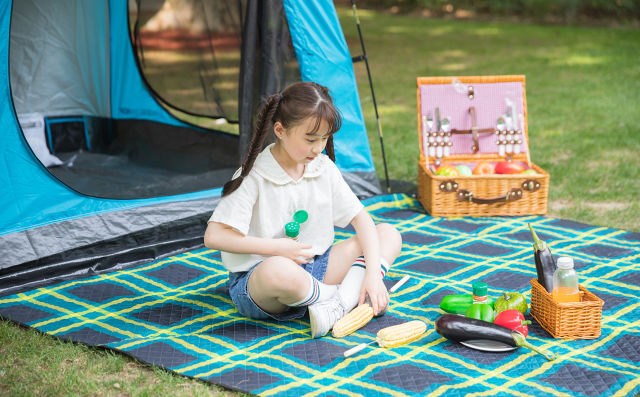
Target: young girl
[272, 276]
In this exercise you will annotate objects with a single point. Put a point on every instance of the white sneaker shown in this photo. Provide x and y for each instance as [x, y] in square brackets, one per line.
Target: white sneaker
[324, 314]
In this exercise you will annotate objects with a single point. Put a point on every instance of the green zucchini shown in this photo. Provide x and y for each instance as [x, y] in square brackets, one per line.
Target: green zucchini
[458, 304]
[460, 329]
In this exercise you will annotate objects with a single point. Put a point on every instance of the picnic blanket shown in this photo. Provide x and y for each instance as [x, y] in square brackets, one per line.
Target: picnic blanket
[175, 313]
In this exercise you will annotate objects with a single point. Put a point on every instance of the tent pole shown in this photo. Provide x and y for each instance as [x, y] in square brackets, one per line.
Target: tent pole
[364, 58]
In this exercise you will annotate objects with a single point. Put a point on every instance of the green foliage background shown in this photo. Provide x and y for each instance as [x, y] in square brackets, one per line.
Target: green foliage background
[559, 10]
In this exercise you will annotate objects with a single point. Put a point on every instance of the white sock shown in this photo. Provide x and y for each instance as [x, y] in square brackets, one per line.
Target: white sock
[349, 289]
[318, 291]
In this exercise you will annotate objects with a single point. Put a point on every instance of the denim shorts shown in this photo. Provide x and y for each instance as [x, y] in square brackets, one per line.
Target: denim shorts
[239, 291]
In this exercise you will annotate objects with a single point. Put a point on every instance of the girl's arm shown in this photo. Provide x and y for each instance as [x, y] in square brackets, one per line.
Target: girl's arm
[368, 238]
[224, 238]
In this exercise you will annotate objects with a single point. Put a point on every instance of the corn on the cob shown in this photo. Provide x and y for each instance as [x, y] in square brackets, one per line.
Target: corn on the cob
[356, 319]
[400, 334]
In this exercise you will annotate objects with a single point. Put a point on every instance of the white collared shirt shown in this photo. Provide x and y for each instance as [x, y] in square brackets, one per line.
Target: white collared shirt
[268, 197]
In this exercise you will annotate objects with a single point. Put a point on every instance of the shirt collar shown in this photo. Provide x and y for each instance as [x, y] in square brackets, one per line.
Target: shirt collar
[267, 167]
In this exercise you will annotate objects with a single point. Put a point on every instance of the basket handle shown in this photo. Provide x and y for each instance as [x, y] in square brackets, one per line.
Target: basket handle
[474, 130]
[512, 195]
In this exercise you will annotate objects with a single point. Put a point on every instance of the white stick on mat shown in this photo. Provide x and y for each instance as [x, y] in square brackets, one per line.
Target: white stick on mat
[357, 349]
[399, 284]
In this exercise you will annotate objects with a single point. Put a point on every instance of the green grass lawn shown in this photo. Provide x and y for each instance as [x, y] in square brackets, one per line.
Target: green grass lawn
[583, 96]
[583, 99]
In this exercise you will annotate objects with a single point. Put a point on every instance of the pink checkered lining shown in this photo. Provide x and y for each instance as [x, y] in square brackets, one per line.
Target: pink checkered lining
[489, 102]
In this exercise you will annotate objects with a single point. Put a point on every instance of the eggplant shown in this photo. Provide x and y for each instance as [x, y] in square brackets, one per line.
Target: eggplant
[460, 329]
[545, 264]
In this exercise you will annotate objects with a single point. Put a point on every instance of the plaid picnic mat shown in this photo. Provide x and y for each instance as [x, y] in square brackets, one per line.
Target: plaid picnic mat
[175, 313]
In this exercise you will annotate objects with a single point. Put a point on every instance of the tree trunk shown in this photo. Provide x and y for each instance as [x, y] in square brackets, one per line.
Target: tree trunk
[196, 16]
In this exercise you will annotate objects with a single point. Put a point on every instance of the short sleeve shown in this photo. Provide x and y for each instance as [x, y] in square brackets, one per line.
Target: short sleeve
[344, 202]
[236, 209]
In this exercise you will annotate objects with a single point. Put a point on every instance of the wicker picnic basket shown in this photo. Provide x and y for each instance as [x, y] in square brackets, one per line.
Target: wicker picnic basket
[576, 320]
[472, 105]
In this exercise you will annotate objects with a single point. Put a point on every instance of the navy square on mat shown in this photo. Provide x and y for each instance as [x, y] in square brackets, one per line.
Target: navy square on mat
[435, 267]
[100, 292]
[176, 274]
[485, 249]
[90, 337]
[410, 377]
[461, 225]
[243, 379]
[582, 380]
[23, 313]
[167, 315]
[316, 352]
[419, 238]
[626, 346]
[162, 354]
[508, 280]
[242, 332]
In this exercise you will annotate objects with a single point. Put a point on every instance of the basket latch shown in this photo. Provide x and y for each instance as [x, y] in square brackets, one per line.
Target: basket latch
[530, 185]
[449, 186]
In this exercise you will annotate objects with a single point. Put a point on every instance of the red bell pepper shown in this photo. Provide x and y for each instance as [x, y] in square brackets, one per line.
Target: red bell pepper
[514, 320]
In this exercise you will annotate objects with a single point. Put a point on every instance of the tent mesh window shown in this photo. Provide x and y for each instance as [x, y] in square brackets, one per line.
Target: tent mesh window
[194, 56]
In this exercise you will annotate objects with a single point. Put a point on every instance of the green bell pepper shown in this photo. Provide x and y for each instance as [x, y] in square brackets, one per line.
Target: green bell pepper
[480, 311]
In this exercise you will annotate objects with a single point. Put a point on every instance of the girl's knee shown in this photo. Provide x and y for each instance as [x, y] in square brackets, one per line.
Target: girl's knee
[278, 273]
[388, 232]
[390, 238]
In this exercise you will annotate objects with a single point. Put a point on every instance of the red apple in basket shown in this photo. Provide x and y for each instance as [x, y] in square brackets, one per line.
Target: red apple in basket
[509, 167]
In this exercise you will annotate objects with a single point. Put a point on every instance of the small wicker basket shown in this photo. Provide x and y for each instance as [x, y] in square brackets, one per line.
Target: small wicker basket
[576, 320]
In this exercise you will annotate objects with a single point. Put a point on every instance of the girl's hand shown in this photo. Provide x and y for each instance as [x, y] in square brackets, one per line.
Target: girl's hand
[377, 291]
[288, 248]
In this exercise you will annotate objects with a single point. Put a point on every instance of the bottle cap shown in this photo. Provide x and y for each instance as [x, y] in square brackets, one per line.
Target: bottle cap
[479, 289]
[292, 229]
[301, 216]
[564, 262]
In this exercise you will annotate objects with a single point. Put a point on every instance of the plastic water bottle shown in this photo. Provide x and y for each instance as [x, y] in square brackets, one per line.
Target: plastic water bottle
[565, 281]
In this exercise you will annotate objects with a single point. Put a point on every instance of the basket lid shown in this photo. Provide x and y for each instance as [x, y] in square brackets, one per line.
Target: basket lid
[485, 104]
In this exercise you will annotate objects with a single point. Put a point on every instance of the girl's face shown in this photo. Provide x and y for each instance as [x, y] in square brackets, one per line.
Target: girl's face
[297, 141]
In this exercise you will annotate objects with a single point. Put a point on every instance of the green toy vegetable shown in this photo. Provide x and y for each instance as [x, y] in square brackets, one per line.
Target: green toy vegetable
[480, 311]
[479, 308]
[458, 304]
[511, 300]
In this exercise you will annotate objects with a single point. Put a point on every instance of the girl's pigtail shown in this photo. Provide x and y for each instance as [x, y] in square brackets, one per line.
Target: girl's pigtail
[329, 149]
[265, 117]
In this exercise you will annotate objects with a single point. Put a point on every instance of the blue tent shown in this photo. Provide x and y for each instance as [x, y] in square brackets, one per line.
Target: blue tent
[72, 78]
